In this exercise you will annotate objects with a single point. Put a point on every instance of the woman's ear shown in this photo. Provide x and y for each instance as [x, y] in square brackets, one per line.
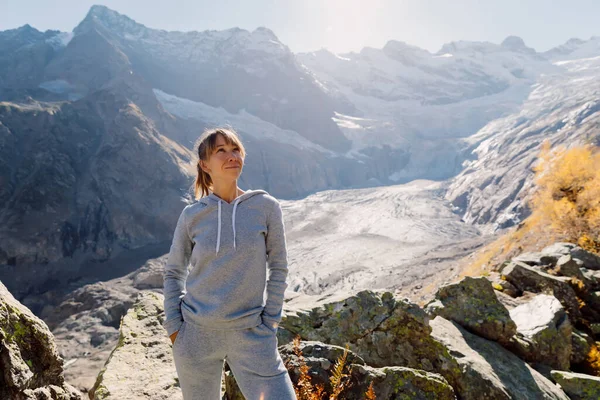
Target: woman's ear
[203, 166]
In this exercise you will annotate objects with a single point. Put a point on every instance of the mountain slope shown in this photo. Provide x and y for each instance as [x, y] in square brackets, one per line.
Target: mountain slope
[234, 69]
[563, 108]
[424, 103]
[82, 182]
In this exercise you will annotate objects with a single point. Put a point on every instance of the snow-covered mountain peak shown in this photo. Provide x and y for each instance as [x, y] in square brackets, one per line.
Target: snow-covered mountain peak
[265, 32]
[110, 20]
[516, 43]
[25, 35]
[574, 49]
[25, 29]
[404, 52]
[469, 47]
[397, 45]
[225, 44]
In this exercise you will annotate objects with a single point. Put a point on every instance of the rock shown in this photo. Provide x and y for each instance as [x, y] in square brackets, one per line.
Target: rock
[559, 248]
[512, 302]
[538, 259]
[544, 332]
[388, 382]
[86, 327]
[107, 301]
[578, 386]
[592, 276]
[382, 329]
[472, 304]
[319, 357]
[590, 260]
[489, 371]
[150, 275]
[525, 277]
[141, 365]
[30, 365]
[591, 308]
[398, 383]
[502, 285]
[569, 266]
[581, 343]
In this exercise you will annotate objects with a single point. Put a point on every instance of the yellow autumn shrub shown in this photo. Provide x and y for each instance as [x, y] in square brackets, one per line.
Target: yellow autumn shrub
[565, 206]
[567, 199]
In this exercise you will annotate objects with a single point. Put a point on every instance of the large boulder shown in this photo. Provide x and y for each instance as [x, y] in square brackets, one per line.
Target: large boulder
[590, 260]
[391, 383]
[141, 366]
[544, 332]
[582, 344]
[388, 382]
[527, 278]
[578, 386]
[380, 328]
[489, 371]
[86, 327]
[543, 260]
[30, 365]
[568, 266]
[473, 304]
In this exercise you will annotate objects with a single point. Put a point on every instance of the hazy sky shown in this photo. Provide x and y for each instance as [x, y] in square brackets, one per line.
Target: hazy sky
[339, 25]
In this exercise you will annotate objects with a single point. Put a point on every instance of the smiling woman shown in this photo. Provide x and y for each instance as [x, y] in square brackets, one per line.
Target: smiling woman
[215, 309]
[221, 157]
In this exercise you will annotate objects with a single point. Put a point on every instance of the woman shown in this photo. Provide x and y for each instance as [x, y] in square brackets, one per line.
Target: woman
[216, 309]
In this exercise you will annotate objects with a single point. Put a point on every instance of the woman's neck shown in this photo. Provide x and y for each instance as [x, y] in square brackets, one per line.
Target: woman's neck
[228, 194]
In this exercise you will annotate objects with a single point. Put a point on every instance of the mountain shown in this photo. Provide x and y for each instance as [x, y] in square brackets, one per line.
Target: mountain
[94, 169]
[234, 69]
[423, 102]
[563, 108]
[96, 156]
[97, 129]
[79, 188]
[474, 113]
[574, 49]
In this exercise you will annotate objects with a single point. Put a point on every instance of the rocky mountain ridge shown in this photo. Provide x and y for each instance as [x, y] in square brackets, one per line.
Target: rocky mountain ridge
[470, 340]
[513, 335]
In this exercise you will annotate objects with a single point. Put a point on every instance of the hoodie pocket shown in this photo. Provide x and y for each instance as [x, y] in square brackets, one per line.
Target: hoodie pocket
[179, 333]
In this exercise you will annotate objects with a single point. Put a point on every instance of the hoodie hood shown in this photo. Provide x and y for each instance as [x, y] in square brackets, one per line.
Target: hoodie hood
[213, 199]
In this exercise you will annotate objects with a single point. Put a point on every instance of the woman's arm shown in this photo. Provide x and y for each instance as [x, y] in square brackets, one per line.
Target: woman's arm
[175, 274]
[278, 267]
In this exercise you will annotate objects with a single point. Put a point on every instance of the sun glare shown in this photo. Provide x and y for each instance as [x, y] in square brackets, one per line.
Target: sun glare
[350, 23]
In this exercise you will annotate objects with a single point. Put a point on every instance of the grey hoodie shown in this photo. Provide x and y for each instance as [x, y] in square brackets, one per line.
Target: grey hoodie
[227, 247]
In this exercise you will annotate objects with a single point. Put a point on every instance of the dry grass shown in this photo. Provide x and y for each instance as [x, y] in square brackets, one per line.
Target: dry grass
[305, 390]
[564, 207]
[592, 363]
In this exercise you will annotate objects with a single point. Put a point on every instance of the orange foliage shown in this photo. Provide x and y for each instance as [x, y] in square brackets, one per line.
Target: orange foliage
[304, 388]
[564, 207]
[567, 201]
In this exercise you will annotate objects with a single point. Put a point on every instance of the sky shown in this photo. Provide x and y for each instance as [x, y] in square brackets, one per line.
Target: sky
[338, 25]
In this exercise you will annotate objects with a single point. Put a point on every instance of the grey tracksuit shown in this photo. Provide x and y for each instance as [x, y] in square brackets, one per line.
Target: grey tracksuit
[218, 303]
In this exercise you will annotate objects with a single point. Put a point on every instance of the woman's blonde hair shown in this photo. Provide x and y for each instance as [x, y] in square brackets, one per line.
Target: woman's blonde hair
[205, 145]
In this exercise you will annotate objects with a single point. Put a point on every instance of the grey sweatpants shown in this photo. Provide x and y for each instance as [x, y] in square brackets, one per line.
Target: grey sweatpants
[251, 354]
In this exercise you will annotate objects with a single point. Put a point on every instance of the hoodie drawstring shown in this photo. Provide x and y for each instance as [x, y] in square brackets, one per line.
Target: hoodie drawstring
[219, 229]
[232, 223]
[233, 220]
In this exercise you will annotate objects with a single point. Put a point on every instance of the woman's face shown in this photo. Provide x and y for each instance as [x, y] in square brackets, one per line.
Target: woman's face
[225, 163]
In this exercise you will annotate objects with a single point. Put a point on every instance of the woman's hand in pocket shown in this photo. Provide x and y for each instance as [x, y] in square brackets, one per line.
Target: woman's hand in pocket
[173, 336]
